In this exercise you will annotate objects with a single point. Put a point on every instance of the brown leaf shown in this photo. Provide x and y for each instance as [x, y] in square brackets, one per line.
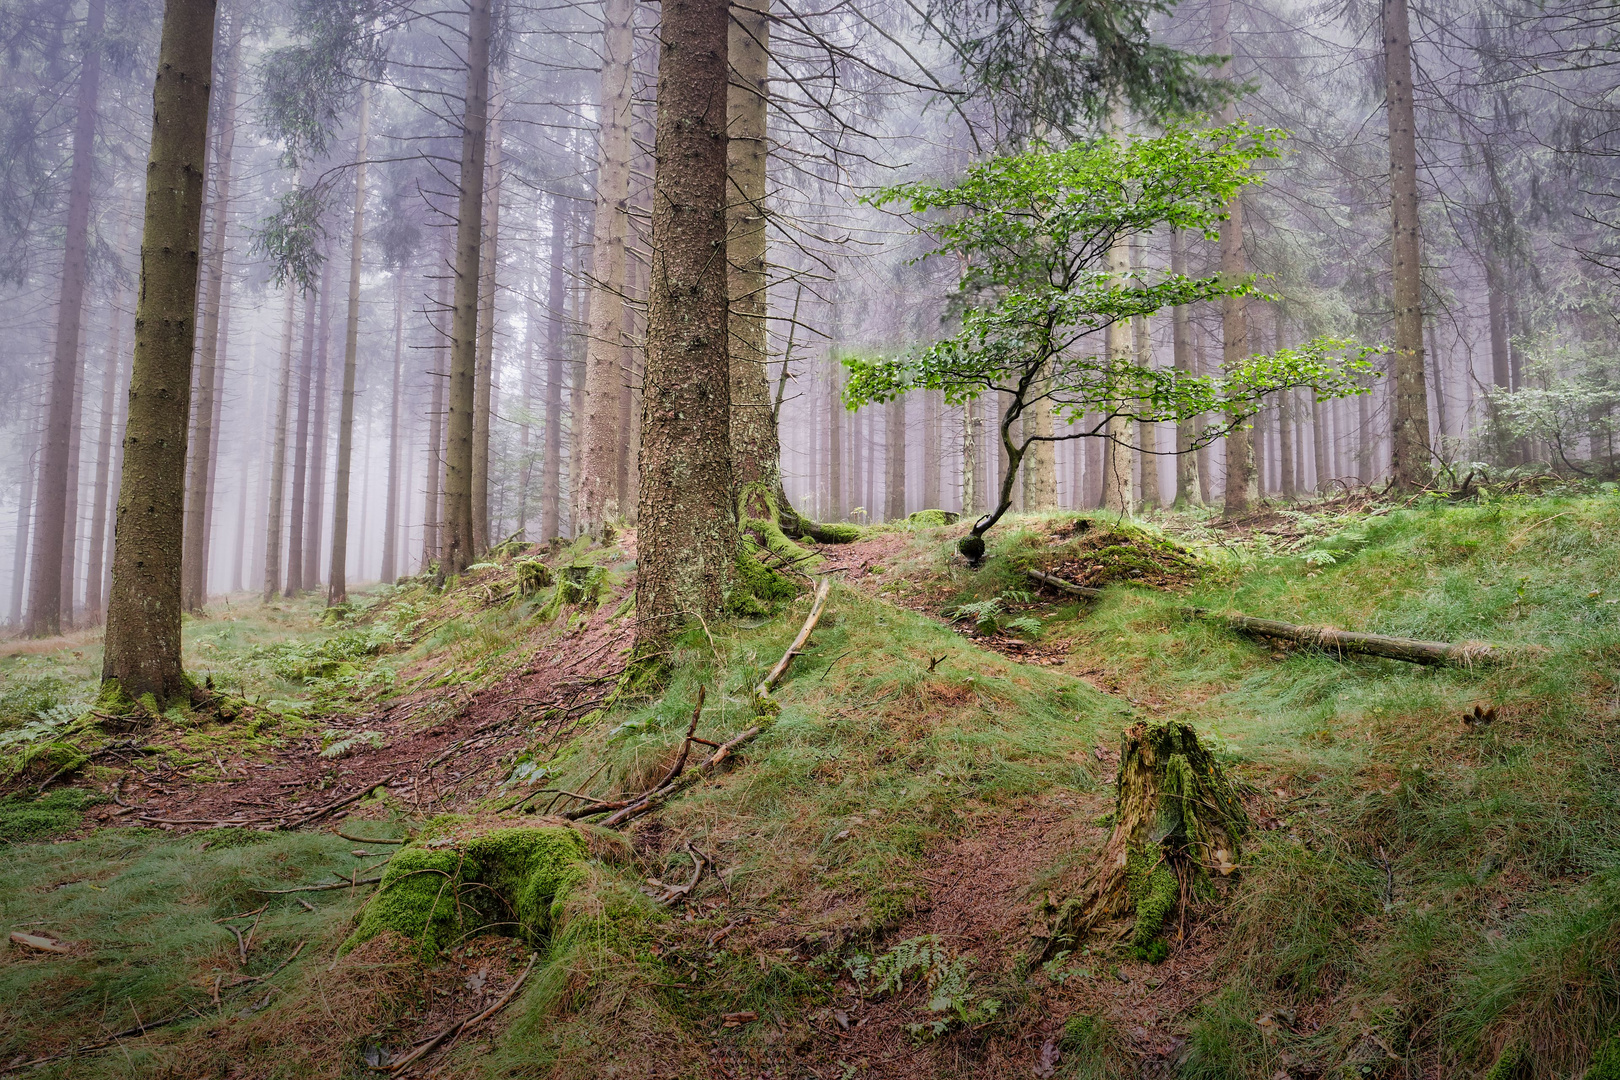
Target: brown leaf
[1047, 1065]
[737, 1019]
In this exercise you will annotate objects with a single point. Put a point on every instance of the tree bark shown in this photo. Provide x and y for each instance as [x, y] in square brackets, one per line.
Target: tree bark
[337, 587]
[556, 344]
[837, 504]
[484, 379]
[70, 509]
[1240, 488]
[1410, 455]
[143, 612]
[278, 458]
[687, 527]
[459, 547]
[1116, 493]
[199, 494]
[315, 485]
[19, 558]
[755, 442]
[894, 444]
[1328, 639]
[931, 448]
[599, 487]
[297, 542]
[1147, 434]
[432, 514]
[94, 598]
[390, 572]
[45, 598]
[1181, 354]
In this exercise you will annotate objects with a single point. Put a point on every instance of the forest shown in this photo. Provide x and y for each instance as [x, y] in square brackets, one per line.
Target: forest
[894, 539]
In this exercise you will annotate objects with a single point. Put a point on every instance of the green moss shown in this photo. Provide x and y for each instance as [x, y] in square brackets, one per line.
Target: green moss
[926, 519]
[1083, 1034]
[1606, 1062]
[1512, 1064]
[581, 584]
[112, 699]
[1154, 889]
[532, 576]
[40, 819]
[512, 880]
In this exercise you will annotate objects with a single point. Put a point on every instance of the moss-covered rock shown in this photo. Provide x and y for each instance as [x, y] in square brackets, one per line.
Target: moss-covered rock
[931, 519]
[510, 880]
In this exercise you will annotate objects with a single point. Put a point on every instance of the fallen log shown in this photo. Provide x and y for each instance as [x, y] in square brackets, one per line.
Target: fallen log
[1329, 639]
[1326, 638]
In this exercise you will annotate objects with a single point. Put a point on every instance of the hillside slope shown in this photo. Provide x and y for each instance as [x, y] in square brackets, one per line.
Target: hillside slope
[1420, 896]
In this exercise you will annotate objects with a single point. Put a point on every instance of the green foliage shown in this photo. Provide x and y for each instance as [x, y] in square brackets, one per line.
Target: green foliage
[60, 811]
[513, 880]
[306, 85]
[945, 975]
[292, 236]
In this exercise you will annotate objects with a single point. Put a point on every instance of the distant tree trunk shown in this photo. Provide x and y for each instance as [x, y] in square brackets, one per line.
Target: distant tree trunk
[278, 459]
[143, 613]
[297, 542]
[837, 504]
[484, 379]
[337, 588]
[687, 536]
[1147, 434]
[45, 599]
[19, 558]
[70, 511]
[432, 514]
[315, 485]
[606, 390]
[1116, 494]
[526, 390]
[1319, 445]
[94, 598]
[391, 508]
[459, 547]
[199, 493]
[1241, 487]
[1409, 448]
[931, 449]
[556, 344]
[894, 439]
[1181, 350]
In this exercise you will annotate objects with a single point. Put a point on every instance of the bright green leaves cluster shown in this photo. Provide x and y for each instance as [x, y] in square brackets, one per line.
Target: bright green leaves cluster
[1033, 233]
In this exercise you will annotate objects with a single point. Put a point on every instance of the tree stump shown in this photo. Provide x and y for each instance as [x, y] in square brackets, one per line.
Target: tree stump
[1177, 824]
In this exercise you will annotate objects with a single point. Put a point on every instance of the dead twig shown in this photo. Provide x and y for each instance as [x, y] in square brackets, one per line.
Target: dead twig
[324, 887]
[763, 690]
[456, 1029]
[673, 893]
[356, 797]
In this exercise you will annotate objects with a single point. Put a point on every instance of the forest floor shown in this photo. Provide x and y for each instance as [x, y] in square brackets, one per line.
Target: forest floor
[1426, 891]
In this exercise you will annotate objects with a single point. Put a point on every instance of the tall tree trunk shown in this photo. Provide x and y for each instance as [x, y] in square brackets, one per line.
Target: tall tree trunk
[1147, 434]
[315, 486]
[143, 613]
[755, 442]
[1181, 351]
[19, 557]
[94, 598]
[525, 409]
[931, 448]
[837, 503]
[337, 588]
[577, 317]
[484, 379]
[687, 535]
[278, 459]
[70, 511]
[606, 388]
[1116, 493]
[1322, 467]
[459, 548]
[390, 572]
[199, 493]
[551, 484]
[297, 542]
[1240, 488]
[1409, 448]
[45, 599]
[894, 440]
[433, 514]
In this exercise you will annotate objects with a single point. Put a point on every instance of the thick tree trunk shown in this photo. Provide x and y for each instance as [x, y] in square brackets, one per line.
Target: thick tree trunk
[484, 379]
[1177, 825]
[894, 445]
[1240, 489]
[755, 442]
[278, 459]
[432, 513]
[297, 542]
[143, 612]
[315, 486]
[337, 588]
[687, 529]
[459, 548]
[391, 507]
[1181, 351]
[45, 598]
[556, 345]
[1410, 456]
[1322, 470]
[199, 493]
[94, 598]
[606, 388]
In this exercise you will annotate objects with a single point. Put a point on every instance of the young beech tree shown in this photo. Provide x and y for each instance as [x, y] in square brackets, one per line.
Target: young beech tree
[1033, 233]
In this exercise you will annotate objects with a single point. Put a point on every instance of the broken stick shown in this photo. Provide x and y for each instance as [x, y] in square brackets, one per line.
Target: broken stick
[763, 690]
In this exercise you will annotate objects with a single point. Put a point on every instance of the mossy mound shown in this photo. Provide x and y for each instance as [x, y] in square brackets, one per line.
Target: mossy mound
[1606, 1062]
[532, 576]
[764, 559]
[510, 880]
[60, 812]
[1099, 554]
[931, 519]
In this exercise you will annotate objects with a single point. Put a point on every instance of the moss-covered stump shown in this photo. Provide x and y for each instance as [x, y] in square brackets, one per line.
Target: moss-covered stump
[581, 584]
[1177, 825]
[512, 881]
[532, 576]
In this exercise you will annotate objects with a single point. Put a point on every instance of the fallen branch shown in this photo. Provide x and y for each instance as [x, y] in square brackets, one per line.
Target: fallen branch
[763, 690]
[367, 839]
[356, 797]
[1069, 587]
[1328, 639]
[213, 823]
[456, 1029]
[673, 893]
[659, 796]
[324, 887]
